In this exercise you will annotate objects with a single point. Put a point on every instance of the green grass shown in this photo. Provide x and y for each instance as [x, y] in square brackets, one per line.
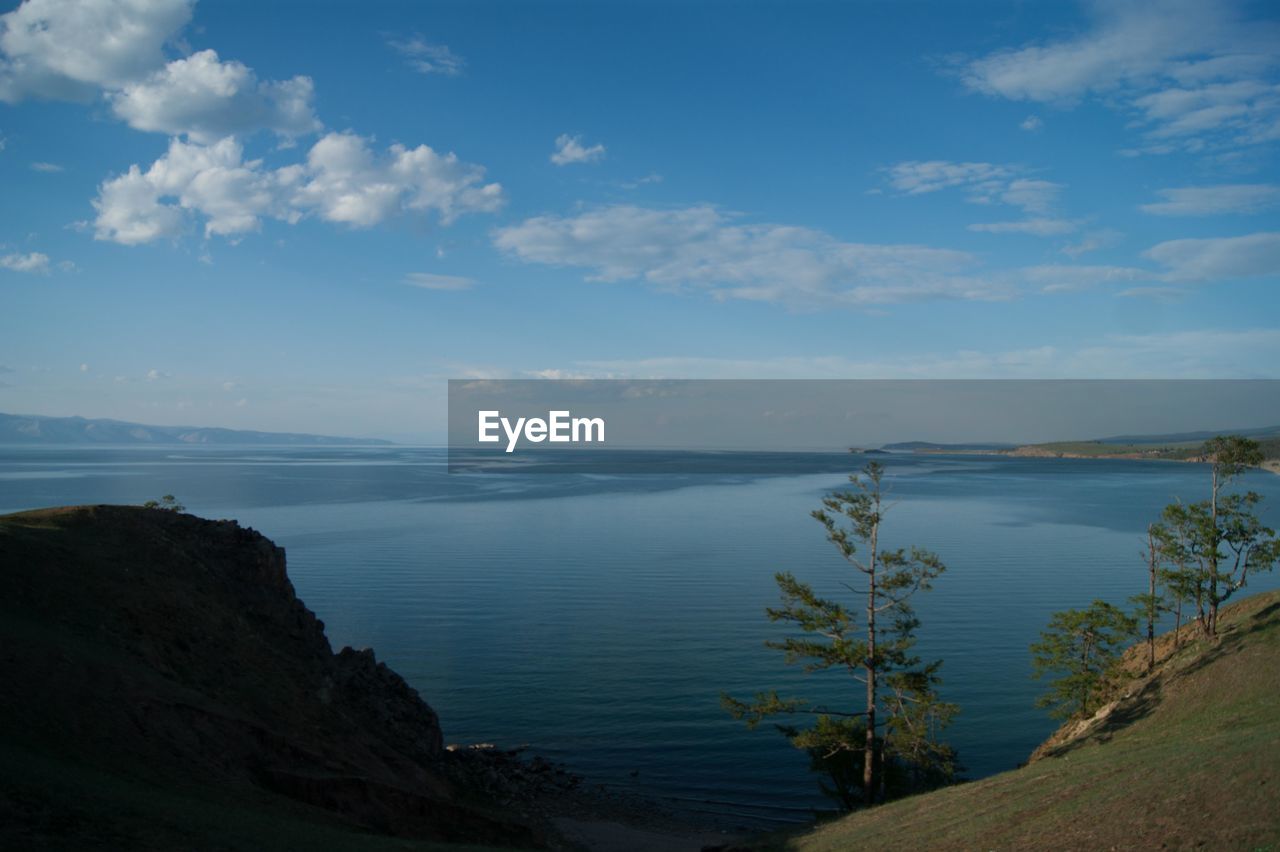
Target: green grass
[1190, 759]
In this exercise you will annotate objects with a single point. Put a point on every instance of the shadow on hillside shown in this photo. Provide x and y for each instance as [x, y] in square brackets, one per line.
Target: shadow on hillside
[1140, 704]
[1137, 706]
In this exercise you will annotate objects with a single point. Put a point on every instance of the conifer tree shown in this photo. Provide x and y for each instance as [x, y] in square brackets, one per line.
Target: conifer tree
[1080, 646]
[889, 745]
[1218, 542]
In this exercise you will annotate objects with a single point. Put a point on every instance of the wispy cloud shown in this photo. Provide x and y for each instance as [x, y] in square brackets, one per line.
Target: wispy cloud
[431, 281]
[1217, 259]
[47, 168]
[1191, 73]
[427, 57]
[1052, 278]
[1197, 353]
[1040, 227]
[916, 177]
[701, 248]
[1093, 241]
[569, 149]
[987, 183]
[1215, 200]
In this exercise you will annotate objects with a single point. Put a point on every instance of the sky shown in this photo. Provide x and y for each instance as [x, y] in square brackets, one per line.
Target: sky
[308, 216]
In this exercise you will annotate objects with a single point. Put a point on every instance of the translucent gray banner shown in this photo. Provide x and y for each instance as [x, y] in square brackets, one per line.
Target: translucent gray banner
[616, 426]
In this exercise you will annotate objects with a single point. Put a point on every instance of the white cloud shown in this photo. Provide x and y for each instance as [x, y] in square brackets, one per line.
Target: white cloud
[1215, 200]
[1220, 258]
[652, 177]
[1093, 241]
[1032, 123]
[47, 168]
[915, 177]
[1040, 227]
[1061, 278]
[427, 58]
[700, 248]
[154, 375]
[347, 182]
[431, 281]
[207, 99]
[79, 49]
[211, 180]
[1199, 353]
[342, 180]
[569, 149]
[1192, 70]
[1033, 196]
[987, 183]
[84, 368]
[70, 49]
[33, 262]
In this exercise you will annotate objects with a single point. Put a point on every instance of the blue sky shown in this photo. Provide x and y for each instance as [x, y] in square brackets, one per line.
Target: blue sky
[309, 216]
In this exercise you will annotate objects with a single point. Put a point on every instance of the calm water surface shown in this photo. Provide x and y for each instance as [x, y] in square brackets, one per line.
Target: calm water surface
[598, 618]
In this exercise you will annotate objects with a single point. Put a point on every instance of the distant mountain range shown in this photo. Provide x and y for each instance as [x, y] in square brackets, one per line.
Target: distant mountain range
[35, 429]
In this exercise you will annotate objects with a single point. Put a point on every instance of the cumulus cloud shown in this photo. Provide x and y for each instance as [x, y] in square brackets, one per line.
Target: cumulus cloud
[71, 49]
[427, 58]
[34, 262]
[569, 149]
[1194, 71]
[703, 249]
[347, 182]
[80, 49]
[431, 281]
[1215, 200]
[1207, 260]
[342, 180]
[206, 99]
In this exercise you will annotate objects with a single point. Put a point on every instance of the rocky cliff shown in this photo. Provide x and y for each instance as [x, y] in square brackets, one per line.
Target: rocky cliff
[154, 659]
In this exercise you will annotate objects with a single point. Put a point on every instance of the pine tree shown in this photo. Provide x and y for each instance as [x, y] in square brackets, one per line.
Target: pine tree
[889, 746]
[1218, 542]
[1080, 646]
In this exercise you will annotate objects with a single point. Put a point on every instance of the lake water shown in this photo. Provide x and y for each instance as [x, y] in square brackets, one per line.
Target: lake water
[597, 618]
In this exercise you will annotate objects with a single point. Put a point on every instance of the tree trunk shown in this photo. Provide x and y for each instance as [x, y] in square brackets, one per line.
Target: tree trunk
[1211, 623]
[1151, 602]
[868, 766]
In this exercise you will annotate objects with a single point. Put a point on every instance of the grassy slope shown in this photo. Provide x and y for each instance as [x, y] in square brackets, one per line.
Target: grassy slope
[1190, 758]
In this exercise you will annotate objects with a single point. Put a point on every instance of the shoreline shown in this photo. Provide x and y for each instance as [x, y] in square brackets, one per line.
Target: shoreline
[1267, 466]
